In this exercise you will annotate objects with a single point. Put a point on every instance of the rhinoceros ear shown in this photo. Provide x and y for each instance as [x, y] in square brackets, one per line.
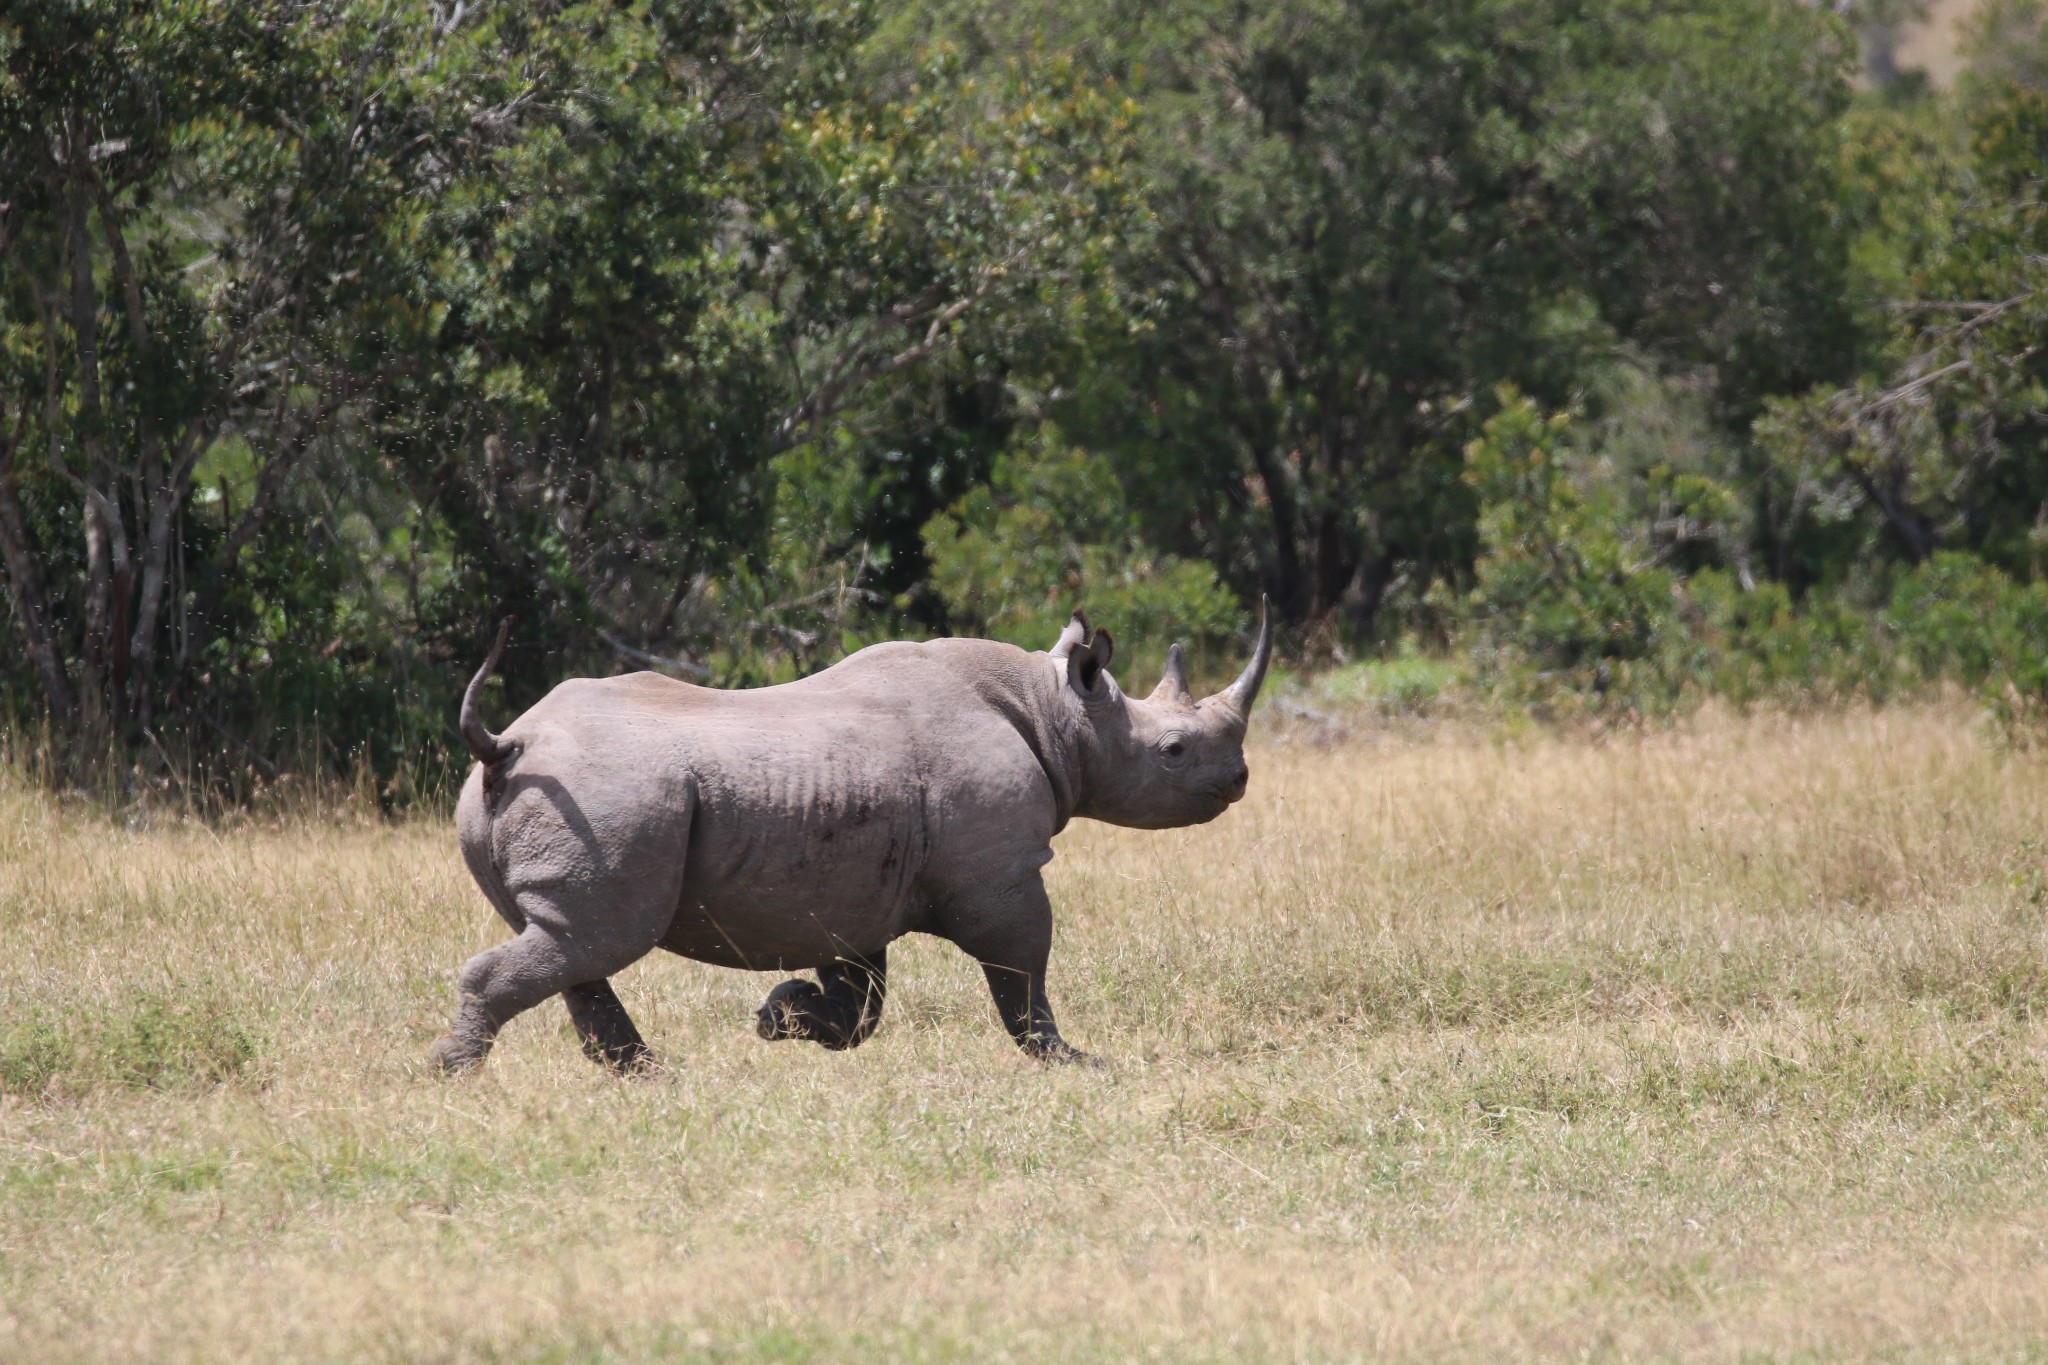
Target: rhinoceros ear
[1075, 633]
[1086, 664]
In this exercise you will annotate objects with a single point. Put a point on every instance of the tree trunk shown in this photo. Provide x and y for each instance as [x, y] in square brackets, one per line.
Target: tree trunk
[109, 573]
[1906, 525]
[1375, 576]
[31, 598]
[1286, 557]
[1261, 438]
[163, 506]
[98, 594]
[1333, 565]
[109, 568]
[160, 486]
[1331, 571]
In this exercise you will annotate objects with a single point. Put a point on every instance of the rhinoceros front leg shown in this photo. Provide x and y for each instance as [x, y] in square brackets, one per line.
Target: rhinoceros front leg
[840, 1016]
[1010, 934]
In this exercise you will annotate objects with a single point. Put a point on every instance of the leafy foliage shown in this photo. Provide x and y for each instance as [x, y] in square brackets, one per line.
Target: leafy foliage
[1941, 444]
[1051, 531]
[1555, 578]
[432, 314]
[1372, 213]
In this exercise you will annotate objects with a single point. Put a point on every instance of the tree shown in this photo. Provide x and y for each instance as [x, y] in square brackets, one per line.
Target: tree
[1053, 529]
[106, 109]
[1941, 446]
[1364, 214]
[349, 326]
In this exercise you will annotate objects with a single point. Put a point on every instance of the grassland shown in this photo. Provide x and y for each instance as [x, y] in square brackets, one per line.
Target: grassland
[1726, 1042]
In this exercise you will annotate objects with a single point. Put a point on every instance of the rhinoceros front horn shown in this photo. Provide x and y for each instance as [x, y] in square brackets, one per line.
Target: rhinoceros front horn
[1240, 695]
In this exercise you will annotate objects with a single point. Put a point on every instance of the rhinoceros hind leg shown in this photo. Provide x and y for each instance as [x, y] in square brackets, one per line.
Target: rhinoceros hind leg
[468, 1040]
[841, 1016]
[607, 1031]
[518, 974]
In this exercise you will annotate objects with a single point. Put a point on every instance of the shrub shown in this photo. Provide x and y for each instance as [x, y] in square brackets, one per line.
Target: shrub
[1569, 612]
[1562, 602]
[1051, 531]
[1960, 619]
[1758, 644]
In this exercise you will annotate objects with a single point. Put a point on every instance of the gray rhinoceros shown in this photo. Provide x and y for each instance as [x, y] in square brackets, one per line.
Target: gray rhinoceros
[910, 788]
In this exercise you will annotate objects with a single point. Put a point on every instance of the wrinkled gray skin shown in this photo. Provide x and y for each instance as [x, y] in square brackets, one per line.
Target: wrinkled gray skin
[910, 788]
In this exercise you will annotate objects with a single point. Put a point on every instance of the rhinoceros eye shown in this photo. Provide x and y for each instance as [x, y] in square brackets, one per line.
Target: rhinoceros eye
[1174, 748]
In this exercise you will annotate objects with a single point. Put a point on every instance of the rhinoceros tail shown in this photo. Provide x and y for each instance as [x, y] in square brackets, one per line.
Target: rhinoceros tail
[487, 747]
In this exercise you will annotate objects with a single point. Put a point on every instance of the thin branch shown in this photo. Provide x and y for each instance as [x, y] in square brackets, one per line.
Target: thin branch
[1891, 398]
[1943, 305]
[284, 456]
[124, 265]
[646, 660]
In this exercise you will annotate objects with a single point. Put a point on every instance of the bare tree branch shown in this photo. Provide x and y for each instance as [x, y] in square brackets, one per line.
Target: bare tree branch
[850, 376]
[646, 660]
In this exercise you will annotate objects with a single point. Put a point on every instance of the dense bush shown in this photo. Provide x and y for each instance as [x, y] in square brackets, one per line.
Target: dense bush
[1559, 591]
[1569, 614]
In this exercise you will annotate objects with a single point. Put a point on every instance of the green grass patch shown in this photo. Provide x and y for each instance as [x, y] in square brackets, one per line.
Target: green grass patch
[162, 1040]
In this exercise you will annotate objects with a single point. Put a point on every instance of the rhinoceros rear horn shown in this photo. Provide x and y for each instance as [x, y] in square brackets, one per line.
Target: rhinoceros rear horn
[1173, 686]
[1240, 695]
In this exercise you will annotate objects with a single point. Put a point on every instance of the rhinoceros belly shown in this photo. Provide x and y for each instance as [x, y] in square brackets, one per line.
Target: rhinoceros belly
[783, 880]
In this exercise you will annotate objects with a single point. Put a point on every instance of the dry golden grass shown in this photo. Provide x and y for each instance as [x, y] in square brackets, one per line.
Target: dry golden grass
[1726, 1042]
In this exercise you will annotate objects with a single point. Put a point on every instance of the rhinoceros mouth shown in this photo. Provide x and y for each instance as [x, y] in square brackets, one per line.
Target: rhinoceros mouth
[1228, 794]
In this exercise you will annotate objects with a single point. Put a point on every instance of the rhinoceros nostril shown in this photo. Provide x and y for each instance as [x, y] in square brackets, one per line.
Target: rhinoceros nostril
[1230, 790]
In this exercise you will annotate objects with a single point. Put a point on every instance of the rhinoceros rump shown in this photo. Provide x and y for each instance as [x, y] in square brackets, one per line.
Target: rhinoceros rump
[910, 788]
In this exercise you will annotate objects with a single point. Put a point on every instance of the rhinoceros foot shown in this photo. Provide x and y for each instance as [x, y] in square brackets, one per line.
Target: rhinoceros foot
[607, 1031]
[454, 1057]
[1059, 1052]
[839, 1016]
[783, 1014]
[468, 1041]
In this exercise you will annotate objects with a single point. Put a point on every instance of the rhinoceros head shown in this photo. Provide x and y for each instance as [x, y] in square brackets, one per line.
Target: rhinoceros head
[1168, 759]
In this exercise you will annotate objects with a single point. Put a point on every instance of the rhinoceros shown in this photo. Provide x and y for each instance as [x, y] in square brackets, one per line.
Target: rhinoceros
[909, 788]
